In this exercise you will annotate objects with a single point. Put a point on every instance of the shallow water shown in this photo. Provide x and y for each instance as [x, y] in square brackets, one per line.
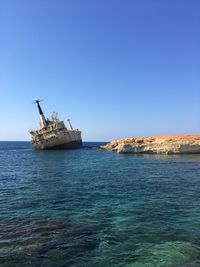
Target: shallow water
[88, 207]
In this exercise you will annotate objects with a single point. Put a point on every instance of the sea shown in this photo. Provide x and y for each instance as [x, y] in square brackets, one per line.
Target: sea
[89, 207]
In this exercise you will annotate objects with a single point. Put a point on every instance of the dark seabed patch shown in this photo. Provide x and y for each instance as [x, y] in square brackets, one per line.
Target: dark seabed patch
[24, 240]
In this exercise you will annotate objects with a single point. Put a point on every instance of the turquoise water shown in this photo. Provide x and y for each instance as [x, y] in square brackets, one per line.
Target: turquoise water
[89, 207]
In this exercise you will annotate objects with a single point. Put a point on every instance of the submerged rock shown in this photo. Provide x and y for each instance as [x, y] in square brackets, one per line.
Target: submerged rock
[177, 144]
[169, 254]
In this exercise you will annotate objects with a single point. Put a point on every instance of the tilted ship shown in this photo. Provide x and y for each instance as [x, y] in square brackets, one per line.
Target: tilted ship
[53, 134]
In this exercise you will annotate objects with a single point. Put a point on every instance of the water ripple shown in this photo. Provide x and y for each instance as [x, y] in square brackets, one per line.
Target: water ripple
[96, 208]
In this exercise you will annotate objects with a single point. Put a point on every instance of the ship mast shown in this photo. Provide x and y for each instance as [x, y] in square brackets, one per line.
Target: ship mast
[43, 121]
[70, 124]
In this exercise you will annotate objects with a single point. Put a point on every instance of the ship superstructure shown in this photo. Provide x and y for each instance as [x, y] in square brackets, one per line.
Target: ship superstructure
[53, 134]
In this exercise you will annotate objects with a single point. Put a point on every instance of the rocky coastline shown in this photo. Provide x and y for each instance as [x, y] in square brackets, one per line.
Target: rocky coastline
[175, 144]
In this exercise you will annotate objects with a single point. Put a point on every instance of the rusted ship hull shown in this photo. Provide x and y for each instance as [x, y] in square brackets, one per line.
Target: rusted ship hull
[68, 145]
[58, 140]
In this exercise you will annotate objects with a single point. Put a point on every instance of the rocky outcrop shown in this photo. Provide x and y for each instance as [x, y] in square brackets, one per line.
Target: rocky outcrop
[176, 144]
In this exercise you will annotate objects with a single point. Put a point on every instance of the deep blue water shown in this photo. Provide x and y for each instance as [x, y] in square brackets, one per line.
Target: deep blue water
[89, 207]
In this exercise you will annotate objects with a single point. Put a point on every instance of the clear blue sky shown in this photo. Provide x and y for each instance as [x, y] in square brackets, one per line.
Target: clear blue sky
[116, 68]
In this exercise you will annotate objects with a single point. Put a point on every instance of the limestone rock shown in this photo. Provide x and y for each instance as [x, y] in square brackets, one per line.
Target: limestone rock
[177, 144]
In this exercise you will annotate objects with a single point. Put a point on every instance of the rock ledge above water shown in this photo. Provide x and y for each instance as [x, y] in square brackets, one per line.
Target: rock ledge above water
[176, 144]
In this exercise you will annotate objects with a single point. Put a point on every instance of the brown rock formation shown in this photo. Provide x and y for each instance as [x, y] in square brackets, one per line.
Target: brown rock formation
[176, 144]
